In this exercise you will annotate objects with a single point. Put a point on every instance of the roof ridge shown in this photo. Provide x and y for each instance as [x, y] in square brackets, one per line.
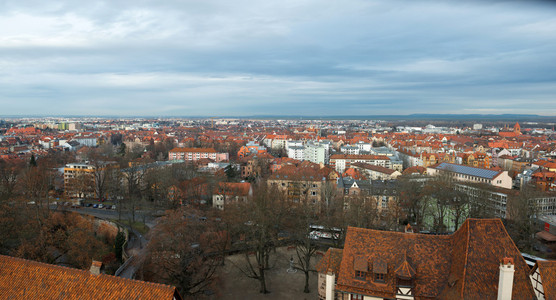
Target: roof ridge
[359, 229]
[468, 236]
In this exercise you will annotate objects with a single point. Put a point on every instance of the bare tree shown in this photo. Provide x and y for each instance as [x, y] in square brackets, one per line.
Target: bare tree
[522, 209]
[304, 216]
[9, 175]
[264, 215]
[184, 251]
[412, 199]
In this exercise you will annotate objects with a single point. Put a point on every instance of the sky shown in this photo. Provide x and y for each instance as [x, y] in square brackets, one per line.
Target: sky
[284, 57]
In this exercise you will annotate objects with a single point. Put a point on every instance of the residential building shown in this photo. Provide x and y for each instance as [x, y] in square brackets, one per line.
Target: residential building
[251, 148]
[194, 154]
[478, 261]
[350, 150]
[316, 152]
[373, 172]
[290, 144]
[80, 179]
[342, 161]
[227, 193]
[472, 174]
[296, 152]
[382, 193]
[305, 182]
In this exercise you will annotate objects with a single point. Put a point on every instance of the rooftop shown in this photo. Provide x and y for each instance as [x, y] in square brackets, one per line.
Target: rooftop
[26, 279]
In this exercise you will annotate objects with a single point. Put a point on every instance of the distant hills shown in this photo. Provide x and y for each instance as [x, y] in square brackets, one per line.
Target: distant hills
[411, 117]
[414, 117]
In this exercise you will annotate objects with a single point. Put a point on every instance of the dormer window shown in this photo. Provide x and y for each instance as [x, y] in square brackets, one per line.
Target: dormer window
[361, 267]
[380, 269]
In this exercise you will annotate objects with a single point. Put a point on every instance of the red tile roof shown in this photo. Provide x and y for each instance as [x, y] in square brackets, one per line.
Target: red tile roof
[25, 279]
[359, 156]
[194, 150]
[330, 262]
[464, 265]
[547, 269]
[379, 169]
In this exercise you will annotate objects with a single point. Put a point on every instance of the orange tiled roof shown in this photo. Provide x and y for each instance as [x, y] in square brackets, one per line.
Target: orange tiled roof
[359, 156]
[379, 169]
[26, 279]
[548, 276]
[194, 150]
[463, 265]
[330, 262]
[234, 188]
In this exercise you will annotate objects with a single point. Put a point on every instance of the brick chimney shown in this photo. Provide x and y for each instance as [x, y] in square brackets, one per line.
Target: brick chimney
[95, 267]
[506, 280]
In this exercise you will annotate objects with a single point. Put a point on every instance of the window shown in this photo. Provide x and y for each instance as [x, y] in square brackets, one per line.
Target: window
[379, 277]
[360, 275]
[313, 193]
[356, 297]
[405, 282]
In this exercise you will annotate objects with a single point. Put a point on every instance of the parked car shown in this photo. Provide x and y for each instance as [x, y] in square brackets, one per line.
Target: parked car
[113, 207]
[101, 205]
[95, 206]
[88, 204]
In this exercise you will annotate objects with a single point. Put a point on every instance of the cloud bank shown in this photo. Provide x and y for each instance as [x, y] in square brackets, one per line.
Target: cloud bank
[302, 57]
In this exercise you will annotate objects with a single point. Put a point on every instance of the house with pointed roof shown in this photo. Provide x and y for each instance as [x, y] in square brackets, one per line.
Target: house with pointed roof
[478, 261]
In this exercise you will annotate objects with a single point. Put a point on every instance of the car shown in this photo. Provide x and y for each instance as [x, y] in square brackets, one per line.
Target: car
[101, 205]
[113, 207]
[88, 205]
[95, 206]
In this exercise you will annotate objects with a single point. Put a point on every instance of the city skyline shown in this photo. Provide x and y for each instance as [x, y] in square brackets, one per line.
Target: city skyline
[277, 58]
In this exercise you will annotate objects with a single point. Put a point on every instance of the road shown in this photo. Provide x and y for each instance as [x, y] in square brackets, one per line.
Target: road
[137, 243]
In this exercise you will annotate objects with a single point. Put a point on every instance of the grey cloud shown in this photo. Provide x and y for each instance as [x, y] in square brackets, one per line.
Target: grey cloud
[318, 57]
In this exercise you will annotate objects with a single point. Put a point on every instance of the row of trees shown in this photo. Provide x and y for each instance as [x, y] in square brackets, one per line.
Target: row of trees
[29, 229]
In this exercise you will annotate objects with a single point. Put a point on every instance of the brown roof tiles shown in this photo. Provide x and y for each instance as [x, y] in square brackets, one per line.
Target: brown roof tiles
[463, 265]
[25, 279]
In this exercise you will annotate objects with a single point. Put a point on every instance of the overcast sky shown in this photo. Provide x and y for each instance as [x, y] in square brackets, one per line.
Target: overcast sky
[215, 58]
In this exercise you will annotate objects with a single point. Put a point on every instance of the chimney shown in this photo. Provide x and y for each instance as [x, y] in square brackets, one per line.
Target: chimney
[330, 286]
[95, 267]
[506, 280]
[408, 228]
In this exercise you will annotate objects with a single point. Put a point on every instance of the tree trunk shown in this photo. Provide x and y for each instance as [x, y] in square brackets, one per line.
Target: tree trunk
[306, 289]
[262, 281]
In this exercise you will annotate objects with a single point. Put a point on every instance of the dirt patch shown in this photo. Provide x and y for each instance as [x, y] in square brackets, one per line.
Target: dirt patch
[280, 283]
